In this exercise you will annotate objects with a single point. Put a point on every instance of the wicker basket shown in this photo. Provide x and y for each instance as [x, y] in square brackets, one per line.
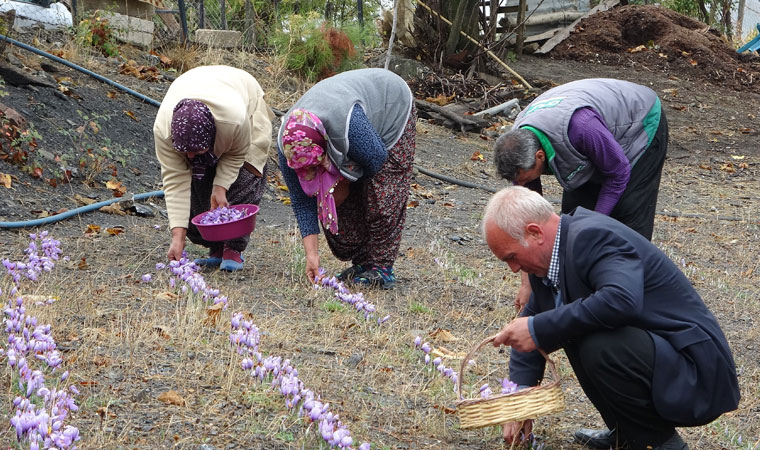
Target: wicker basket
[513, 407]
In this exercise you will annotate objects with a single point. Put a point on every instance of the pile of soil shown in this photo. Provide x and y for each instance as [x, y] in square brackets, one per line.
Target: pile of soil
[673, 43]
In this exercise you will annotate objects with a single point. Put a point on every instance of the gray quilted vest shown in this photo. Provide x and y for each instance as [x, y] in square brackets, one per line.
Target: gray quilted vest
[384, 97]
[630, 111]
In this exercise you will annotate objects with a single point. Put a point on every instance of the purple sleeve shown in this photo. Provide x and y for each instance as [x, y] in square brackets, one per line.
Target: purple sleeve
[590, 136]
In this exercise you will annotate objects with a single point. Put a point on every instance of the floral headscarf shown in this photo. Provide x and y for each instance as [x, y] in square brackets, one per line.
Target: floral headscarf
[303, 143]
[193, 129]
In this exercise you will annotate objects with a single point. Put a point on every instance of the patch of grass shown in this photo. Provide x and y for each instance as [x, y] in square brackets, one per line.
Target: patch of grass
[416, 307]
[333, 306]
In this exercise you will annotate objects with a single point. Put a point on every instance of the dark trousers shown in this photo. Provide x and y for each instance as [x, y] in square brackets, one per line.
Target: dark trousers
[615, 370]
[247, 189]
[638, 204]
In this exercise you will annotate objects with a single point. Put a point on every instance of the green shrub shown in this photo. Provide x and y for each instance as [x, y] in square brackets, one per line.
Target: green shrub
[97, 32]
[315, 50]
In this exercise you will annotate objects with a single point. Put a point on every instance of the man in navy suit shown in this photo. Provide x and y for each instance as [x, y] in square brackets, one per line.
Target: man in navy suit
[645, 349]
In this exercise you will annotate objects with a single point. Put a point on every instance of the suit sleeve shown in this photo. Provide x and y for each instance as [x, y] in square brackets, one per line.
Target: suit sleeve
[527, 368]
[611, 271]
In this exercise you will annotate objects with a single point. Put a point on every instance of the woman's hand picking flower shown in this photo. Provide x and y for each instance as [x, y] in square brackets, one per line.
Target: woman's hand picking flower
[218, 197]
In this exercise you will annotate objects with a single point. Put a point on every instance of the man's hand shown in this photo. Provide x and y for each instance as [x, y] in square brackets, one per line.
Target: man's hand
[523, 294]
[517, 430]
[516, 334]
[218, 197]
[178, 244]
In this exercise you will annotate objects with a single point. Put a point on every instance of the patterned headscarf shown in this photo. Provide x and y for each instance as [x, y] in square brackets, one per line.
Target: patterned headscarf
[194, 129]
[303, 143]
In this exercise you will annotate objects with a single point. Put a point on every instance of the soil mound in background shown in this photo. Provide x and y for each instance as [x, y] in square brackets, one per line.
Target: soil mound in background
[660, 39]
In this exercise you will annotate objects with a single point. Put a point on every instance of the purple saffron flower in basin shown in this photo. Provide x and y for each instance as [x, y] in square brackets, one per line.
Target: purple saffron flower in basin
[147, 277]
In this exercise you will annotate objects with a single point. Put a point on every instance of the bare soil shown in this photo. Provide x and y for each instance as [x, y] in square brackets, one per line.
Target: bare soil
[125, 342]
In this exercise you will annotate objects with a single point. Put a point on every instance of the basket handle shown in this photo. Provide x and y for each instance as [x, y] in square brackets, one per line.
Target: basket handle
[489, 339]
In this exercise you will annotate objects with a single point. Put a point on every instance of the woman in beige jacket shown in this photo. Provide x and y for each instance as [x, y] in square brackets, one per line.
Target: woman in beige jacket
[212, 135]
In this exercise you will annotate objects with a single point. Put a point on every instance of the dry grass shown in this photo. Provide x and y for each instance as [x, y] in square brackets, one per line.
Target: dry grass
[126, 342]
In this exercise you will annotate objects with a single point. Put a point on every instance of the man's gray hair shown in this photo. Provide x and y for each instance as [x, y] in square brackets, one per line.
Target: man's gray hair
[512, 208]
[515, 150]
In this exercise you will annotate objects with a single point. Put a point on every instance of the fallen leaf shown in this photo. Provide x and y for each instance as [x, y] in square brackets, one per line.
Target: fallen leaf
[111, 94]
[441, 100]
[103, 411]
[162, 331]
[115, 231]
[172, 398]
[637, 49]
[728, 167]
[117, 188]
[413, 204]
[212, 314]
[40, 213]
[445, 409]
[693, 62]
[101, 361]
[88, 383]
[92, 230]
[738, 157]
[94, 127]
[282, 187]
[132, 115]
[167, 296]
[747, 273]
[705, 166]
[83, 264]
[743, 165]
[477, 156]
[449, 204]
[284, 200]
[443, 335]
[113, 208]
[83, 200]
[443, 352]
[5, 180]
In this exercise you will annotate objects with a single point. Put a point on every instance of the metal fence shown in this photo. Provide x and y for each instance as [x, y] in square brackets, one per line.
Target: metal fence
[192, 15]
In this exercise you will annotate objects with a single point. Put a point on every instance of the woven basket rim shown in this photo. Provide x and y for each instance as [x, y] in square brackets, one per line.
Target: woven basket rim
[555, 378]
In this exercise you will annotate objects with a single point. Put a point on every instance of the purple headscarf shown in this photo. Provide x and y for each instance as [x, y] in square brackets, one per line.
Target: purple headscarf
[193, 130]
[303, 144]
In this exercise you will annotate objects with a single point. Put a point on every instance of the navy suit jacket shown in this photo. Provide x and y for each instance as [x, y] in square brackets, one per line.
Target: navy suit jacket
[611, 277]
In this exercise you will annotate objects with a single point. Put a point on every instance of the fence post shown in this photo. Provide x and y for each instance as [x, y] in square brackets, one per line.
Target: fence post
[183, 21]
[223, 11]
[521, 9]
[249, 30]
[360, 12]
[202, 14]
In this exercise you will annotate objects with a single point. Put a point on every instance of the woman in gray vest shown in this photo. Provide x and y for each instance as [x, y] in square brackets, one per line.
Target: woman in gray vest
[605, 142]
[346, 151]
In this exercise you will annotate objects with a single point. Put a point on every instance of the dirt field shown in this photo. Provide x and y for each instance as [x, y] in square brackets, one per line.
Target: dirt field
[125, 342]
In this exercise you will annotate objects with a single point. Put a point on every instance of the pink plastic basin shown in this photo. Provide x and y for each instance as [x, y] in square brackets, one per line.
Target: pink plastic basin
[228, 230]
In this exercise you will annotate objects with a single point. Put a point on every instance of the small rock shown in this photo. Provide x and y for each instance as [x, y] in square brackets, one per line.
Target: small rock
[153, 60]
[206, 447]
[14, 60]
[141, 210]
[354, 360]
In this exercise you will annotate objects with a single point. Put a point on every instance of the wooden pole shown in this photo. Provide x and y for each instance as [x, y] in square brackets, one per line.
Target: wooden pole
[521, 10]
[488, 52]
[393, 35]
[739, 35]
